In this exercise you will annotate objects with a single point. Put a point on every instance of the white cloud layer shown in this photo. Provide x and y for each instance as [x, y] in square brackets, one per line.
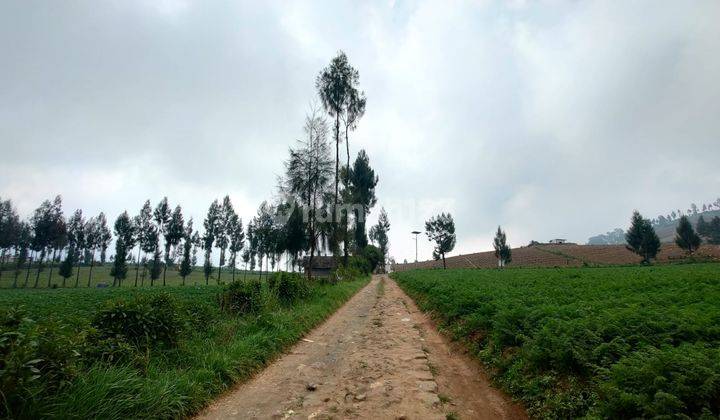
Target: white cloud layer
[554, 119]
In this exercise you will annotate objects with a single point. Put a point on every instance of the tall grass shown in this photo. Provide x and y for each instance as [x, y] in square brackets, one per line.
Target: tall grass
[216, 350]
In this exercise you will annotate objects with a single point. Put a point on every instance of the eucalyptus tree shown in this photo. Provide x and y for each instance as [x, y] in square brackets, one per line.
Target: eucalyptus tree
[361, 191]
[103, 238]
[246, 260]
[264, 224]
[379, 234]
[125, 241]
[278, 237]
[308, 173]
[91, 244]
[146, 237]
[237, 240]
[173, 235]
[22, 247]
[354, 111]
[295, 235]
[186, 265]
[49, 230]
[223, 230]
[210, 225]
[196, 242]
[334, 85]
[59, 239]
[10, 227]
[441, 230]
[76, 240]
[503, 253]
[252, 245]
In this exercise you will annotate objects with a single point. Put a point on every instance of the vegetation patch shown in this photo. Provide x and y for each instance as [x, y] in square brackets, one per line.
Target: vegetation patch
[617, 342]
[129, 353]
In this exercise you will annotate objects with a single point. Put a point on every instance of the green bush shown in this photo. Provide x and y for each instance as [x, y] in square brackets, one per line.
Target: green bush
[288, 287]
[373, 256]
[35, 361]
[358, 264]
[143, 322]
[242, 297]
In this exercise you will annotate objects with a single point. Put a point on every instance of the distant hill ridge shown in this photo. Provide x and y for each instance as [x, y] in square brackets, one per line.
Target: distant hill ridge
[664, 229]
[564, 255]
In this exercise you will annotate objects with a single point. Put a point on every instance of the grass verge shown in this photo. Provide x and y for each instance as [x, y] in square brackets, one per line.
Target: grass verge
[216, 350]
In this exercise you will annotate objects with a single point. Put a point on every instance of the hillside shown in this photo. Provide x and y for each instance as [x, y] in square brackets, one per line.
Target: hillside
[568, 255]
[665, 231]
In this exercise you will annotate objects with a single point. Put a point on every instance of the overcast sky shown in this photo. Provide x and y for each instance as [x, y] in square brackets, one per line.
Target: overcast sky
[553, 119]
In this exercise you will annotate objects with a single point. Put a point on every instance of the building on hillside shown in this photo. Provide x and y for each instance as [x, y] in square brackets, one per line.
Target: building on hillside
[558, 241]
[321, 266]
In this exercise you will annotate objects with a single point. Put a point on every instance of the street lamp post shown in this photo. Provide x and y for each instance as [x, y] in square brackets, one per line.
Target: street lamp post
[416, 233]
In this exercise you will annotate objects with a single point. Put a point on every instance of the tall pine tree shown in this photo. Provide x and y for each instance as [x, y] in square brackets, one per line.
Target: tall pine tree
[686, 238]
[642, 239]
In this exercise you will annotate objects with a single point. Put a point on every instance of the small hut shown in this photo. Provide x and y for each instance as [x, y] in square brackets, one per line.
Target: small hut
[321, 266]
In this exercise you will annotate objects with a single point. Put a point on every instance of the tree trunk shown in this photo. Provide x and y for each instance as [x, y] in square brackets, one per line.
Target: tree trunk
[52, 261]
[218, 277]
[167, 255]
[233, 273]
[142, 279]
[444, 266]
[37, 277]
[137, 267]
[337, 154]
[2, 262]
[77, 275]
[29, 265]
[92, 264]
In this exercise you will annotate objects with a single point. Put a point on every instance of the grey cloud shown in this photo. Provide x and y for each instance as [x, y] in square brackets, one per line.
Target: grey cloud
[553, 119]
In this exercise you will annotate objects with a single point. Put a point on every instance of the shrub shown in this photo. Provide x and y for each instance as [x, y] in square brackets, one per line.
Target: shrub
[288, 287]
[35, 361]
[242, 297]
[346, 273]
[373, 256]
[143, 322]
[200, 314]
[359, 264]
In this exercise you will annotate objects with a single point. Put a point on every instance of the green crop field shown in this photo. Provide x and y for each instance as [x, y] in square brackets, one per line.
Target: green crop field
[147, 352]
[620, 342]
[101, 275]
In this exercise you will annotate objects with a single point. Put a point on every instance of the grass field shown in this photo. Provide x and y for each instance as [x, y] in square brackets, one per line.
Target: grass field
[51, 350]
[617, 342]
[101, 274]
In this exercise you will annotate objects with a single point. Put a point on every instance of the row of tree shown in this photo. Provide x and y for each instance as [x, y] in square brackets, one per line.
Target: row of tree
[642, 239]
[47, 234]
[692, 211]
[311, 216]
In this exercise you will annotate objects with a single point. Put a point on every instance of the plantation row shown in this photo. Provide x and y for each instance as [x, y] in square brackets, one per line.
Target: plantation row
[151, 353]
[614, 342]
[321, 210]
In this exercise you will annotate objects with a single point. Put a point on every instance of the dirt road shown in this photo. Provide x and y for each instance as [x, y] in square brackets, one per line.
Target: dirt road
[378, 357]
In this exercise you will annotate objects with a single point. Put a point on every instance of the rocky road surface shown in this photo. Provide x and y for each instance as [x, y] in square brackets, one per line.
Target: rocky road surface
[377, 357]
